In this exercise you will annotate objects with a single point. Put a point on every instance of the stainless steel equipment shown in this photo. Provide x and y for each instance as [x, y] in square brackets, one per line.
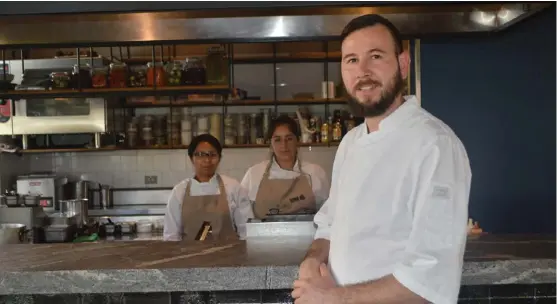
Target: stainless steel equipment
[12, 234]
[85, 190]
[77, 208]
[106, 197]
[33, 218]
[48, 186]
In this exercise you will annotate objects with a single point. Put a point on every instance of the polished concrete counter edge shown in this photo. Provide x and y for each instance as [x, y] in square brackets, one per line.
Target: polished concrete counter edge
[236, 278]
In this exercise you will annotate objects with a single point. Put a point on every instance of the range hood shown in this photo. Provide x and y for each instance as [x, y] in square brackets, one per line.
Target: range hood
[251, 25]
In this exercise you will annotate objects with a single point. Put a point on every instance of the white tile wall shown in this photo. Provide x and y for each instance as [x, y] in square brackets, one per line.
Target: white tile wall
[127, 169]
[10, 166]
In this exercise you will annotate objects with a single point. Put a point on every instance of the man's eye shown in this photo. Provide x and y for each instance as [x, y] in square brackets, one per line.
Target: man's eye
[351, 60]
[375, 56]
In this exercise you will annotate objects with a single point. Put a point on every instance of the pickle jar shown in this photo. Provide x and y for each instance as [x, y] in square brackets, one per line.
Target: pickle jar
[175, 74]
[137, 78]
[60, 80]
[118, 75]
[156, 74]
[99, 77]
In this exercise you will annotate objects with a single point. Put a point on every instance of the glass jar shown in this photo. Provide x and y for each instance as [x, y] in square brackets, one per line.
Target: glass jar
[195, 72]
[118, 75]
[217, 66]
[81, 75]
[137, 78]
[99, 77]
[175, 74]
[60, 80]
[156, 75]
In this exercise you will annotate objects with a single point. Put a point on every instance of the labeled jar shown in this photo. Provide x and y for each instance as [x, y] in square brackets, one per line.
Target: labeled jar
[195, 72]
[118, 75]
[60, 80]
[156, 74]
[99, 78]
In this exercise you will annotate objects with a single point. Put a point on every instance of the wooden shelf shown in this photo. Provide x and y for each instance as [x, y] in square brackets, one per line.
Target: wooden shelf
[285, 102]
[104, 149]
[118, 92]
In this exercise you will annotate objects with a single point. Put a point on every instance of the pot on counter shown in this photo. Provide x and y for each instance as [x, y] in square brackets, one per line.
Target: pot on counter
[12, 234]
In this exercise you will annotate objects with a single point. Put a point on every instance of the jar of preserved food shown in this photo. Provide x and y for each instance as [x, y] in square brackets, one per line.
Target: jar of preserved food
[217, 66]
[175, 74]
[60, 80]
[137, 78]
[118, 75]
[195, 72]
[81, 75]
[99, 77]
[156, 75]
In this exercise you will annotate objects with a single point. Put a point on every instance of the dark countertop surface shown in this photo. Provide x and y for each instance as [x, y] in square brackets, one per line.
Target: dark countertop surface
[266, 263]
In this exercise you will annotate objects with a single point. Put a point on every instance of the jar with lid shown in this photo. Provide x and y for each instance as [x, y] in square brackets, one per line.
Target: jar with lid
[195, 72]
[217, 66]
[60, 80]
[156, 74]
[81, 75]
[118, 75]
[99, 77]
[175, 74]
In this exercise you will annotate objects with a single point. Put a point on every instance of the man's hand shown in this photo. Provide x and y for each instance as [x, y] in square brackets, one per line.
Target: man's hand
[309, 268]
[319, 290]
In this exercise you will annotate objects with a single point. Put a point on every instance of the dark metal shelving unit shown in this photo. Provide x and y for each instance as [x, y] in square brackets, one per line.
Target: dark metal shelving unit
[175, 91]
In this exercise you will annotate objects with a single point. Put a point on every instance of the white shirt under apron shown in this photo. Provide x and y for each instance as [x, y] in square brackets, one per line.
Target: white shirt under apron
[399, 205]
[319, 181]
[238, 202]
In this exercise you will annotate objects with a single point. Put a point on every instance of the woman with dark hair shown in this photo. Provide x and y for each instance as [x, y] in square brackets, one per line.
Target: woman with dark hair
[284, 184]
[208, 197]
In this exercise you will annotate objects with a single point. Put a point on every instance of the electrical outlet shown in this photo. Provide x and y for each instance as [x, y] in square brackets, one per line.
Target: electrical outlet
[150, 180]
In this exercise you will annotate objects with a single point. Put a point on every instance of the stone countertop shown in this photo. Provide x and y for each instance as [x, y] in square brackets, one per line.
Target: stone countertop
[156, 266]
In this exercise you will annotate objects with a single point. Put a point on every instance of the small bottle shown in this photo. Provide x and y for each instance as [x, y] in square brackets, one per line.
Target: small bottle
[325, 132]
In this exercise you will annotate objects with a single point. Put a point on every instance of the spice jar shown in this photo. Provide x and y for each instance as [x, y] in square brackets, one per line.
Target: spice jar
[217, 67]
[81, 75]
[175, 74]
[118, 75]
[156, 75]
[195, 72]
[99, 77]
[60, 80]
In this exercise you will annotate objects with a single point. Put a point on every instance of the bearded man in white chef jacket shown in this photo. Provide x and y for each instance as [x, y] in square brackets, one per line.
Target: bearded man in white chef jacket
[393, 229]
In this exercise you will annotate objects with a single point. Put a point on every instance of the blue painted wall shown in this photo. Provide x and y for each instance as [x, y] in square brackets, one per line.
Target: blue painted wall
[499, 96]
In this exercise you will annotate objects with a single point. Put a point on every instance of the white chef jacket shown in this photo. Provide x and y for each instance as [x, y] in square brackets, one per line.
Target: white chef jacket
[238, 202]
[316, 175]
[399, 205]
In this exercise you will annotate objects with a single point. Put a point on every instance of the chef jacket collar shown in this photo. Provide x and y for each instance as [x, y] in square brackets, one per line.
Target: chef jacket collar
[212, 181]
[275, 164]
[399, 116]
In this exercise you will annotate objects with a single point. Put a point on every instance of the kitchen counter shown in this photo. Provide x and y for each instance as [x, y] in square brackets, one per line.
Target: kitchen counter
[260, 264]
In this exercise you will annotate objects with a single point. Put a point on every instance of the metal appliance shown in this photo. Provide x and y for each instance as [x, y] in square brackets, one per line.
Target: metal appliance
[34, 218]
[48, 186]
[50, 115]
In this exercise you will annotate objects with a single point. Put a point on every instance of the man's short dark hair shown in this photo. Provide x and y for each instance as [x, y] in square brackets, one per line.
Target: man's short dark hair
[371, 20]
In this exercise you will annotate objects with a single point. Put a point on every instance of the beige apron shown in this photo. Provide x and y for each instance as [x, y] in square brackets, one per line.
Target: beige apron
[207, 208]
[287, 195]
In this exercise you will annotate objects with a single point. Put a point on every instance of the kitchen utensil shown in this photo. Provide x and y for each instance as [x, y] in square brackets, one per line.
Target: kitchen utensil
[31, 200]
[12, 233]
[106, 197]
[77, 207]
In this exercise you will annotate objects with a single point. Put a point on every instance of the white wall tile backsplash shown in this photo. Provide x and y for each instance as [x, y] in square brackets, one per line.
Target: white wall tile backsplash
[127, 169]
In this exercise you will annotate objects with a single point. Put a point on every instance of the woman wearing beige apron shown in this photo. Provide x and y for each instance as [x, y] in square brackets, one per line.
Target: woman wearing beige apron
[206, 200]
[284, 184]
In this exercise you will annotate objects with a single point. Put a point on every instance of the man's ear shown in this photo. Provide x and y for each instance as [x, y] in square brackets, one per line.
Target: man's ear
[404, 62]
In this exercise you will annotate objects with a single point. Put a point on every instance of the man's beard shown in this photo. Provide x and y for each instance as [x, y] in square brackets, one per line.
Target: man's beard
[385, 101]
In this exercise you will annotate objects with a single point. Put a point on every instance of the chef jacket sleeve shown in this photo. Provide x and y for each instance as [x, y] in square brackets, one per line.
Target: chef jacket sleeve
[323, 219]
[431, 265]
[173, 216]
[320, 185]
[241, 209]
